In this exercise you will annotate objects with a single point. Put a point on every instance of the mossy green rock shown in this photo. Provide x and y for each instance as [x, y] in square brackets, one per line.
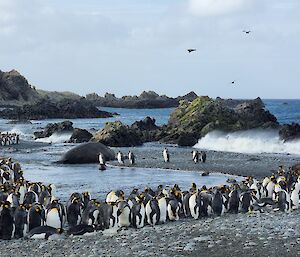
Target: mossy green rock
[204, 114]
[117, 134]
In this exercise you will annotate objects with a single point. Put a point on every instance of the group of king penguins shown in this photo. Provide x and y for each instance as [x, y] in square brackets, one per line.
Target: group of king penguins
[31, 209]
[9, 139]
[196, 156]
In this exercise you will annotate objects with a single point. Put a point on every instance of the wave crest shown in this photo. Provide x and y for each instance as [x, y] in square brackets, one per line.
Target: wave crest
[249, 141]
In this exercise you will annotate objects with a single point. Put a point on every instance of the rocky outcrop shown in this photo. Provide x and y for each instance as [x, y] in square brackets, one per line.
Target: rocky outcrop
[87, 153]
[80, 136]
[289, 132]
[15, 89]
[117, 134]
[191, 121]
[147, 129]
[66, 109]
[148, 99]
[51, 128]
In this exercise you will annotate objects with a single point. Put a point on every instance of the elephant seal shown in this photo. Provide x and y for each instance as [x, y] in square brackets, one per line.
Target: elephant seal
[87, 153]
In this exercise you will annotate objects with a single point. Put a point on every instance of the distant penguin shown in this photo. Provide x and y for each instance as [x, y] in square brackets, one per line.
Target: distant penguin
[185, 204]
[21, 225]
[246, 201]
[131, 158]
[108, 215]
[173, 208]
[53, 217]
[36, 216]
[284, 201]
[218, 206]
[138, 214]
[81, 229]
[295, 190]
[120, 158]
[43, 232]
[102, 162]
[195, 155]
[233, 202]
[203, 156]
[166, 155]
[194, 205]
[123, 214]
[162, 204]
[74, 212]
[7, 225]
[152, 212]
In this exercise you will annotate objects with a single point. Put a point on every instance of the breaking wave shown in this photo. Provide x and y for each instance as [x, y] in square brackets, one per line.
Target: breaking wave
[250, 141]
[55, 138]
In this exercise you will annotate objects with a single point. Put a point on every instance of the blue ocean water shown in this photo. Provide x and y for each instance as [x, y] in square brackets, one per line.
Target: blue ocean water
[286, 111]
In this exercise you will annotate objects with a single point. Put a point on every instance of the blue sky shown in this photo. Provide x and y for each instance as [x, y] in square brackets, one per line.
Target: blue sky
[127, 46]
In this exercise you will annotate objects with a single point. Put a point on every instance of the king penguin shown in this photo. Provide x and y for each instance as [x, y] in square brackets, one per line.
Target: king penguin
[166, 155]
[152, 212]
[131, 158]
[120, 158]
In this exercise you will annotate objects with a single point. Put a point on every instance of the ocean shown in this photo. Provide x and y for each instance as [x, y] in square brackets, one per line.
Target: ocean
[38, 156]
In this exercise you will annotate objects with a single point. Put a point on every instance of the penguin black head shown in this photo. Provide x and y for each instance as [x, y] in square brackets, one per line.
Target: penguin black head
[134, 191]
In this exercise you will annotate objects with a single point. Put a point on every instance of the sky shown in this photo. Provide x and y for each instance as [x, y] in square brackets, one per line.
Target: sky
[127, 46]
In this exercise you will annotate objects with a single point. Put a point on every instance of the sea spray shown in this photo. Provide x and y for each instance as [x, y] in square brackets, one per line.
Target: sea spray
[56, 138]
[249, 141]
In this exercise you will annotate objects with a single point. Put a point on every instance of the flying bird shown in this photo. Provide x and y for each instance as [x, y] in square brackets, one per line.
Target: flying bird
[233, 82]
[247, 31]
[191, 50]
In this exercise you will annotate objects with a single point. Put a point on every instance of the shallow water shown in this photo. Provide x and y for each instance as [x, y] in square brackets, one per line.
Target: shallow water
[69, 179]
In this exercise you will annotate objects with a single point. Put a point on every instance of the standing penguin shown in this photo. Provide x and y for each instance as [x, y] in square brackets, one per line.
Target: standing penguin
[195, 155]
[185, 204]
[7, 225]
[123, 214]
[284, 201]
[131, 158]
[36, 216]
[218, 203]
[53, 217]
[173, 209]
[295, 189]
[152, 212]
[138, 213]
[246, 201]
[102, 162]
[108, 215]
[203, 156]
[233, 202]
[21, 225]
[120, 158]
[194, 205]
[269, 190]
[162, 204]
[74, 212]
[166, 155]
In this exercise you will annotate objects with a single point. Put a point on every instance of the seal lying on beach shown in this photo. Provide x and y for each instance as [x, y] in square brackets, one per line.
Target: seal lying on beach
[87, 153]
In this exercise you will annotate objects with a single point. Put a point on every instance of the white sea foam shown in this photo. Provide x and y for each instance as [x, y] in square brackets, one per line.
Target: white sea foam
[250, 141]
[55, 138]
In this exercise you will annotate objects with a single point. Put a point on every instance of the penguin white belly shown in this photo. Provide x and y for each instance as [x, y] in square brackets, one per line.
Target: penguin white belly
[124, 218]
[141, 223]
[162, 204]
[148, 212]
[53, 219]
[193, 209]
[295, 199]
[270, 189]
[38, 236]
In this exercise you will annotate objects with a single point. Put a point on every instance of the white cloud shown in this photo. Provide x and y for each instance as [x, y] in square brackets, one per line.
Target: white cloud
[215, 7]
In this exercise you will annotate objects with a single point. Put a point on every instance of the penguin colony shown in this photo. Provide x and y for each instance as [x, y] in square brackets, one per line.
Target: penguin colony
[9, 139]
[31, 210]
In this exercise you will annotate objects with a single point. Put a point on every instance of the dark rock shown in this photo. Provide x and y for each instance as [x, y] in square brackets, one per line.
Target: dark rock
[66, 109]
[289, 132]
[61, 127]
[148, 99]
[187, 140]
[87, 153]
[204, 115]
[147, 129]
[80, 136]
[117, 134]
[15, 89]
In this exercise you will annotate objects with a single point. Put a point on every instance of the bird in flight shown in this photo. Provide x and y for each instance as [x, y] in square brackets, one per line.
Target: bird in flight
[247, 31]
[191, 50]
[233, 82]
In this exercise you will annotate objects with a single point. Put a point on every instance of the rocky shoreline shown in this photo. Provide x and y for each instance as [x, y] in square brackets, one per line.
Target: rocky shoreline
[263, 234]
